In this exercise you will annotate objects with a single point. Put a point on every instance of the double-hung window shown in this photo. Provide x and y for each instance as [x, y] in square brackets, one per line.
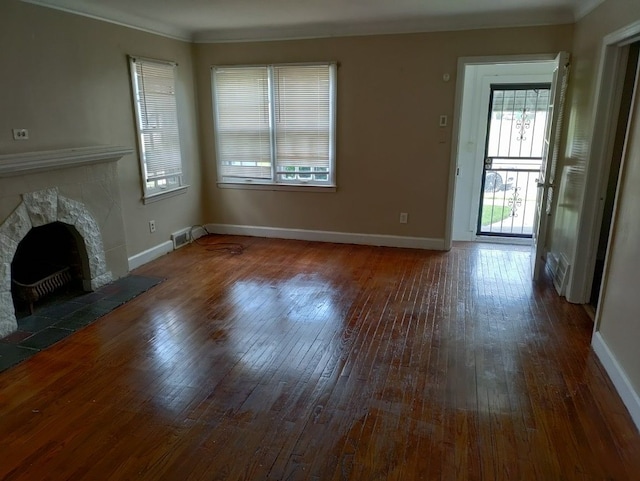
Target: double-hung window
[275, 124]
[154, 92]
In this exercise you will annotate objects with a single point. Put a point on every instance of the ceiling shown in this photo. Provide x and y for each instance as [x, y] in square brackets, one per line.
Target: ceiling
[241, 20]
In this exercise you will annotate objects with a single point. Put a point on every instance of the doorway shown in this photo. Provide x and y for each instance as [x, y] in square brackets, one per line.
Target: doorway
[470, 144]
[614, 58]
[619, 141]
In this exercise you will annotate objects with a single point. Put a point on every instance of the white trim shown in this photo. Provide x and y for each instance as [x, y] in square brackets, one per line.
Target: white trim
[160, 29]
[598, 162]
[274, 187]
[453, 162]
[584, 7]
[297, 32]
[411, 27]
[328, 236]
[473, 134]
[197, 231]
[618, 377]
[623, 36]
[165, 195]
[140, 58]
[143, 257]
[457, 114]
[30, 162]
[516, 241]
[491, 59]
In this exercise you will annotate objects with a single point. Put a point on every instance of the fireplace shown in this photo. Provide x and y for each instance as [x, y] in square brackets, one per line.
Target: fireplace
[49, 258]
[60, 222]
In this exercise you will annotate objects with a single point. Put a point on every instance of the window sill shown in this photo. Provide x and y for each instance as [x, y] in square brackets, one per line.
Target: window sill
[149, 199]
[280, 187]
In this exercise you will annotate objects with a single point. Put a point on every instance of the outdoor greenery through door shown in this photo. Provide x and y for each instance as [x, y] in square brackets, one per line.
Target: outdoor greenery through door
[513, 155]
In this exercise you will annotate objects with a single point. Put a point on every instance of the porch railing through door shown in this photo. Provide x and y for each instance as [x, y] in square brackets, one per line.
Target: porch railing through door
[513, 155]
[509, 197]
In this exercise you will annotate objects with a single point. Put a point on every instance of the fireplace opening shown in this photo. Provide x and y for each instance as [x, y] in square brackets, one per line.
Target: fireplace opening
[51, 261]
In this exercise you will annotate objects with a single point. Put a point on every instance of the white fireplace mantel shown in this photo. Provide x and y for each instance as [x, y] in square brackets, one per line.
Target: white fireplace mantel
[31, 162]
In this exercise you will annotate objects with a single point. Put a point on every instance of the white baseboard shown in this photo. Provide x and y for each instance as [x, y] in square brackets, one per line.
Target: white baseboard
[618, 377]
[143, 257]
[494, 239]
[328, 236]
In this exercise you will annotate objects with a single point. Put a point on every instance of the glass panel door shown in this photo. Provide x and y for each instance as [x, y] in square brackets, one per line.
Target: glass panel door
[513, 155]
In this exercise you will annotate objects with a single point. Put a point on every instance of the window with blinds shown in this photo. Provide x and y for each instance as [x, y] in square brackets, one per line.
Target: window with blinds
[275, 124]
[157, 122]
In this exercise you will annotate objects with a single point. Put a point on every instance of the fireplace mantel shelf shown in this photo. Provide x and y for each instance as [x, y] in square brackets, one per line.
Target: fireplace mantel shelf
[42, 161]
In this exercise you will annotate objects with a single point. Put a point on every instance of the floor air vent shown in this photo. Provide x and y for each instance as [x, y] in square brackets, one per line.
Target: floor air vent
[558, 268]
[562, 272]
[180, 238]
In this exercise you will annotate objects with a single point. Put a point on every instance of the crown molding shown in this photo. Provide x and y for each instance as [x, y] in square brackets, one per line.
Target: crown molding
[509, 19]
[155, 28]
[584, 7]
[408, 26]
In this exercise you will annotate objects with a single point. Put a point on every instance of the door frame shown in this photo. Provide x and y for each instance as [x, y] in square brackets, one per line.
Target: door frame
[463, 62]
[607, 98]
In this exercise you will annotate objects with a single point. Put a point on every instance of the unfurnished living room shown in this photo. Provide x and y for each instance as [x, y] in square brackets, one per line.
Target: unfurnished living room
[319, 240]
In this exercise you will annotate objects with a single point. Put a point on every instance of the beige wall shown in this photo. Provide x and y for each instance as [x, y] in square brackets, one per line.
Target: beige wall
[389, 155]
[68, 83]
[66, 79]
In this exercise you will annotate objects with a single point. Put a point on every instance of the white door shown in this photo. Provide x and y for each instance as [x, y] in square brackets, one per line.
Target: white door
[550, 152]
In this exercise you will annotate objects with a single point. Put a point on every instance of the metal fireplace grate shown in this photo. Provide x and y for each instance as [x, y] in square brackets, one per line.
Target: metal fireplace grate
[35, 291]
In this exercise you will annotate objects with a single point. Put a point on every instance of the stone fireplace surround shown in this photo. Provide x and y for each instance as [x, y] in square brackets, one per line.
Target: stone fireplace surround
[78, 187]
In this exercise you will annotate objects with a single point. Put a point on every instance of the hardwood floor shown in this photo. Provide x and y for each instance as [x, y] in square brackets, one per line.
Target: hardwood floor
[306, 361]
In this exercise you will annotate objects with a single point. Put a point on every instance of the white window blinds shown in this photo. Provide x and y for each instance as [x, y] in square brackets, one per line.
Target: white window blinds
[243, 122]
[157, 121]
[303, 117]
[275, 124]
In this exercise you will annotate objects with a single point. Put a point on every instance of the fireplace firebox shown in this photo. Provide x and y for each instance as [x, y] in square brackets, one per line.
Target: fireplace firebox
[50, 257]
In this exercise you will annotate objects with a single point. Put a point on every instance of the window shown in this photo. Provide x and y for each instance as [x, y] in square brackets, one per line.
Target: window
[157, 122]
[275, 124]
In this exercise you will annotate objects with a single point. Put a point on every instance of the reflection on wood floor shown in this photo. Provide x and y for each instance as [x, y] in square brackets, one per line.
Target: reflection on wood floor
[294, 360]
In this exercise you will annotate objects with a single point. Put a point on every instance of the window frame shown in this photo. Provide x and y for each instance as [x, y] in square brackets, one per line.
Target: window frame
[157, 192]
[274, 183]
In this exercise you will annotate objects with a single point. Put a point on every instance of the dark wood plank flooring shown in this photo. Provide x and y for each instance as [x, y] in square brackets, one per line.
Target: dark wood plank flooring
[309, 361]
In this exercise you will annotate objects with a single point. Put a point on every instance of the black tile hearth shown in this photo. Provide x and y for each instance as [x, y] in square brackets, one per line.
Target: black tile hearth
[12, 354]
[58, 310]
[36, 323]
[54, 322]
[87, 314]
[45, 338]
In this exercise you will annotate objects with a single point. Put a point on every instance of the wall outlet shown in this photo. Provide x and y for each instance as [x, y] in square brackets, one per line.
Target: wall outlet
[20, 134]
[152, 226]
[404, 217]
